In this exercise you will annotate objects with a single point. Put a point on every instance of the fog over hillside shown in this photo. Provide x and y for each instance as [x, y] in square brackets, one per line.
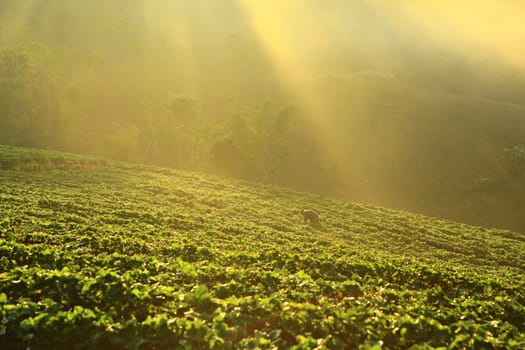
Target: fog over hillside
[409, 105]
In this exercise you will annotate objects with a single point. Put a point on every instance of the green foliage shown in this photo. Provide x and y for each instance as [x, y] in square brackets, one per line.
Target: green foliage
[119, 256]
[29, 106]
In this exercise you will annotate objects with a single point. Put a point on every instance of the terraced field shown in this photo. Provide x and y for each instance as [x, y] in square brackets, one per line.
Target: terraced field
[96, 254]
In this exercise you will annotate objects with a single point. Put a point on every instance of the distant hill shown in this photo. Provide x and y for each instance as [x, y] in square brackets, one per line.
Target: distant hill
[397, 105]
[97, 254]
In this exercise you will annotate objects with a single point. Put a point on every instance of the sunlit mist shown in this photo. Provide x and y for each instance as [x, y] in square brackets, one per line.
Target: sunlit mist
[406, 104]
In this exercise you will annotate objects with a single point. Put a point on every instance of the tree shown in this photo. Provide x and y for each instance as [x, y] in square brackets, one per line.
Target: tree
[514, 161]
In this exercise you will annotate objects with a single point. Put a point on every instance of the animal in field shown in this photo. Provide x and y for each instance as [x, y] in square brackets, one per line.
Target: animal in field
[310, 215]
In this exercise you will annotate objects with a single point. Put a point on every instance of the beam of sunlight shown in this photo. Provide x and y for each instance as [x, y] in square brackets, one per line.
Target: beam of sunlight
[160, 33]
[290, 33]
[492, 28]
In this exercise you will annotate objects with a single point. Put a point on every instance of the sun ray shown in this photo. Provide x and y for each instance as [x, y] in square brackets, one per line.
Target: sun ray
[289, 33]
[488, 28]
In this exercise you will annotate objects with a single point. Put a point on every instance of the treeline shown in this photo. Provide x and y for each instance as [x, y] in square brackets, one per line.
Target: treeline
[38, 108]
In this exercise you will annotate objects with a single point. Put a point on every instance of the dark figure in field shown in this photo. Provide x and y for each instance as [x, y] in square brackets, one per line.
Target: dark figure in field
[310, 215]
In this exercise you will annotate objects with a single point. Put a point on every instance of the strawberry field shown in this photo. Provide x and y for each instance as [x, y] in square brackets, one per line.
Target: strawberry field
[95, 254]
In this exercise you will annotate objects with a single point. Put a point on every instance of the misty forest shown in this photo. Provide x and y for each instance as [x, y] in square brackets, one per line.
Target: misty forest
[361, 101]
[208, 119]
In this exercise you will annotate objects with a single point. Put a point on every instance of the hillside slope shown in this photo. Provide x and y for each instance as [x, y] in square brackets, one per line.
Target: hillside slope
[95, 254]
